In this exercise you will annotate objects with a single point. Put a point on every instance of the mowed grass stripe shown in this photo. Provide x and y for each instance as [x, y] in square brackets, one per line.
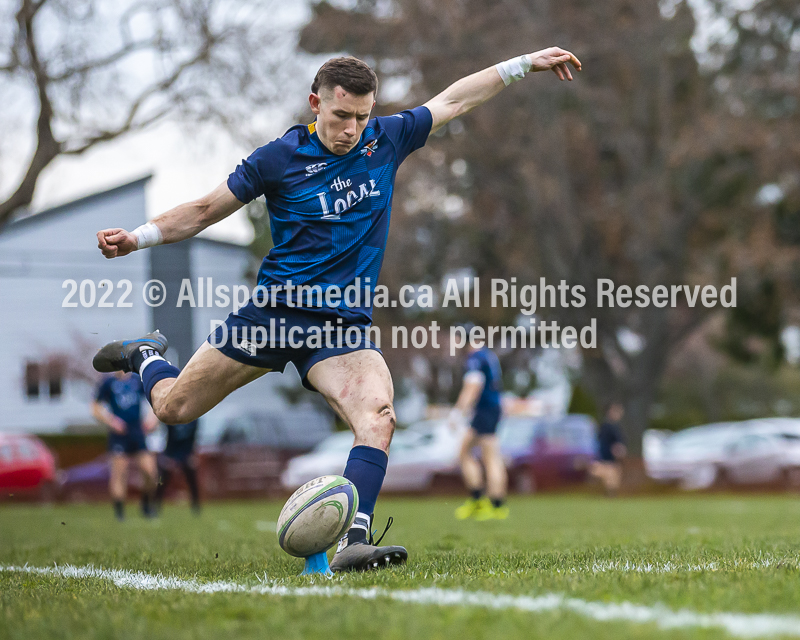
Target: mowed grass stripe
[746, 625]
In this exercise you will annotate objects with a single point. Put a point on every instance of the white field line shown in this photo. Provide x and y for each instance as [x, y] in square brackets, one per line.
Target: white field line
[745, 625]
[626, 566]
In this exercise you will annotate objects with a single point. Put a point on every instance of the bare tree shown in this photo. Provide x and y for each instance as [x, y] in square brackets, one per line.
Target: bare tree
[94, 70]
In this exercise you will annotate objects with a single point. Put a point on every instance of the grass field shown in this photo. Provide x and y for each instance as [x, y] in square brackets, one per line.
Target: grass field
[576, 565]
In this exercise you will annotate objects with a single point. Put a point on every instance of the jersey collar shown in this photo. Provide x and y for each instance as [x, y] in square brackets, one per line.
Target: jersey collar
[314, 136]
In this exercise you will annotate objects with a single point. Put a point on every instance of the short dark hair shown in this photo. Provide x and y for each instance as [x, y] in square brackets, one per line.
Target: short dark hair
[349, 73]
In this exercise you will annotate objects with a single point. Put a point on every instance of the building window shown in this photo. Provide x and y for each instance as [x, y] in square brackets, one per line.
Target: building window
[55, 374]
[51, 373]
[32, 377]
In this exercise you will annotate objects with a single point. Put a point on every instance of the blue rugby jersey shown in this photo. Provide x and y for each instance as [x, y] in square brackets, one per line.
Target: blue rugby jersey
[329, 214]
[124, 398]
[485, 361]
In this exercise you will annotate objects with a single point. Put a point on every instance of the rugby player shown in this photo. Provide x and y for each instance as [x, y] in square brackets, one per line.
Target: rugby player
[179, 453]
[118, 405]
[328, 187]
[480, 400]
[611, 450]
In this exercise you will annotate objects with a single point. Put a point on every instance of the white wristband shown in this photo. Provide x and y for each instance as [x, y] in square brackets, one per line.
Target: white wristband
[148, 235]
[513, 69]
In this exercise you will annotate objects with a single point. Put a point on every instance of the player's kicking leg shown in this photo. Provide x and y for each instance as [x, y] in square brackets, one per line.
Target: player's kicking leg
[177, 397]
[358, 386]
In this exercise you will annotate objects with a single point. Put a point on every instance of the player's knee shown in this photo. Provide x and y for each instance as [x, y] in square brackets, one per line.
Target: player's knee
[387, 418]
[378, 427]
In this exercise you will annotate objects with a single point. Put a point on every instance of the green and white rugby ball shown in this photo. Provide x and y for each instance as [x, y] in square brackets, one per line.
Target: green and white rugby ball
[317, 515]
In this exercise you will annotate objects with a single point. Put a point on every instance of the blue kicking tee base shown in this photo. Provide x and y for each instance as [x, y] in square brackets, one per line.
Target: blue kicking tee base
[317, 564]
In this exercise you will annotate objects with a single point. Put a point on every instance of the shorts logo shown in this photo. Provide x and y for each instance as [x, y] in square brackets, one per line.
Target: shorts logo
[369, 148]
[315, 168]
[248, 347]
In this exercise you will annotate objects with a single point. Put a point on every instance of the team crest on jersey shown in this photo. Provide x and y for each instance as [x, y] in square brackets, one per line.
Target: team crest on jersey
[369, 148]
[315, 168]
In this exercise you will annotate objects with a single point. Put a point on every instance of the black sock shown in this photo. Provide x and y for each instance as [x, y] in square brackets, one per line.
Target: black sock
[119, 509]
[497, 502]
[359, 531]
[139, 356]
[356, 534]
[146, 508]
[476, 494]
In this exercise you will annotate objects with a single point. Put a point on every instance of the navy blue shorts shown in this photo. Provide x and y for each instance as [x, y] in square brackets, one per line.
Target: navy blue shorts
[485, 421]
[127, 443]
[271, 337]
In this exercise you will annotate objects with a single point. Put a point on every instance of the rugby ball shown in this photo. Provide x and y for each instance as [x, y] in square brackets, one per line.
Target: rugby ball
[317, 515]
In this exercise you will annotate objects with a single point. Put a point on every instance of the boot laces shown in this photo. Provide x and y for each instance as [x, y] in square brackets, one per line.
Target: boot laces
[377, 542]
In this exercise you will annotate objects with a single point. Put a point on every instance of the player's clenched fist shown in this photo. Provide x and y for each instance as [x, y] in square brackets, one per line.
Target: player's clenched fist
[115, 243]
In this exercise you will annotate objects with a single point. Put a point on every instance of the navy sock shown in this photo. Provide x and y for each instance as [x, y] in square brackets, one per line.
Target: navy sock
[156, 371]
[476, 494]
[366, 468]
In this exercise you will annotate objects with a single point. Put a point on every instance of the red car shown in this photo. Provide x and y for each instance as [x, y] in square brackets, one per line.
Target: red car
[547, 453]
[27, 468]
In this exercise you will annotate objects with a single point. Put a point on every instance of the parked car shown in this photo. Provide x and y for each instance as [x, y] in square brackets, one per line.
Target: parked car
[254, 448]
[548, 452]
[540, 452]
[751, 452]
[418, 455]
[245, 458]
[27, 467]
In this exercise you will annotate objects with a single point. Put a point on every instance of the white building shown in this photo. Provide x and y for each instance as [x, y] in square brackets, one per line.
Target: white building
[60, 300]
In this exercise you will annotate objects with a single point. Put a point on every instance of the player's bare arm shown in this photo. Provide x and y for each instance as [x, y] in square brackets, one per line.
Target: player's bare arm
[469, 395]
[466, 94]
[103, 415]
[467, 399]
[182, 222]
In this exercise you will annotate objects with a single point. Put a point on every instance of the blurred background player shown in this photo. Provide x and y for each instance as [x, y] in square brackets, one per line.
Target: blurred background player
[480, 398]
[611, 450]
[118, 405]
[179, 453]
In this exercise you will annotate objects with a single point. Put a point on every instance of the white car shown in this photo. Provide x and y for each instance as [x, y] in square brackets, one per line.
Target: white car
[417, 455]
[770, 454]
[749, 452]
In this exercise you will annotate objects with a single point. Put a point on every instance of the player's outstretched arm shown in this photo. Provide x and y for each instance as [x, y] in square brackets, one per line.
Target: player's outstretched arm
[466, 94]
[180, 223]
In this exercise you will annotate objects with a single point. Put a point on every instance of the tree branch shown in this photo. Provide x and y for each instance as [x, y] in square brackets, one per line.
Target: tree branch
[101, 63]
[47, 147]
[129, 125]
